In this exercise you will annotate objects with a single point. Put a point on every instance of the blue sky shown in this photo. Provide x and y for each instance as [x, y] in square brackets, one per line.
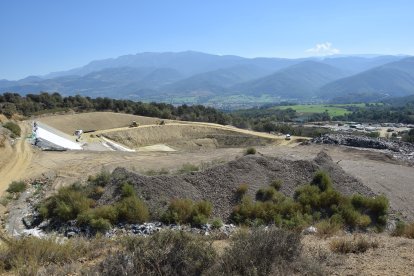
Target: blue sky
[42, 36]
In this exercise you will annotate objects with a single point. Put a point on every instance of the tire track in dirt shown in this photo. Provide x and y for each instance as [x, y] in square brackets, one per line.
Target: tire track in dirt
[18, 160]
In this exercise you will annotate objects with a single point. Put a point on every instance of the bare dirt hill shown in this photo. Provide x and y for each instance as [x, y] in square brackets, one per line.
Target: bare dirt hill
[186, 136]
[218, 184]
[94, 121]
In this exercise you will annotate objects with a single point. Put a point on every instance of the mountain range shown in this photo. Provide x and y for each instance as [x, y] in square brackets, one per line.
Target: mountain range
[199, 77]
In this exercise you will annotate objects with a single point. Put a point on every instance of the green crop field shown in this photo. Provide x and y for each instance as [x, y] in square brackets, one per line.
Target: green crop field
[332, 109]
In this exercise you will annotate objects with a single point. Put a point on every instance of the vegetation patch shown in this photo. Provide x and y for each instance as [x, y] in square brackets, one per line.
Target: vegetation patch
[17, 187]
[183, 211]
[358, 244]
[250, 151]
[312, 203]
[187, 168]
[14, 128]
[78, 202]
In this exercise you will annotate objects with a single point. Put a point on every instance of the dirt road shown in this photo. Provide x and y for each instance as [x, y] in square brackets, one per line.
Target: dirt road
[16, 161]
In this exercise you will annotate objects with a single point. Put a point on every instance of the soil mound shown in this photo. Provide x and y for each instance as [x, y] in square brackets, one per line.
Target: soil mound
[94, 121]
[399, 150]
[185, 137]
[218, 184]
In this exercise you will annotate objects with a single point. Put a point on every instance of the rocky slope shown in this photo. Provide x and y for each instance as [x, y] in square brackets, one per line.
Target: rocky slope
[218, 184]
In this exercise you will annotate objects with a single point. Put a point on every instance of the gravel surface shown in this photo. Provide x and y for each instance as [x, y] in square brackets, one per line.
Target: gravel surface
[398, 149]
[218, 184]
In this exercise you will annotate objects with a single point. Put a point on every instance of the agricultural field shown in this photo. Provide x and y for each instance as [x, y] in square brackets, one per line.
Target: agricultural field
[332, 109]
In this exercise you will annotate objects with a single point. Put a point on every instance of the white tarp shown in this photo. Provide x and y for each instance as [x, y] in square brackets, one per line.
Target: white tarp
[44, 134]
[115, 146]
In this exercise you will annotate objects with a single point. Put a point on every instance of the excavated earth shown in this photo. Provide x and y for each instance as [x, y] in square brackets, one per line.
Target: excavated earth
[399, 150]
[218, 184]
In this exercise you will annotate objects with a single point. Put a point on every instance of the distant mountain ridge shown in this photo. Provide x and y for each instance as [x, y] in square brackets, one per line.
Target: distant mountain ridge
[394, 79]
[199, 77]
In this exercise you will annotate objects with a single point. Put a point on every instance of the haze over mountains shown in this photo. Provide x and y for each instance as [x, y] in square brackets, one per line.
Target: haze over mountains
[195, 77]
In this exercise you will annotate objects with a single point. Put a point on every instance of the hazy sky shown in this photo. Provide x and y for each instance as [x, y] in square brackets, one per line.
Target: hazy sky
[40, 36]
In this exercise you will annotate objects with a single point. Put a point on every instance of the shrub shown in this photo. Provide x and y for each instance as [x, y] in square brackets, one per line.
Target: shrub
[186, 211]
[250, 151]
[107, 212]
[132, 210]
[242, 190]
[100, 224]
[258, 252]
[17, 187]
[356, 245]
[187, 168]
[308, 196]
[165, 253]
[322, 180]
[327, 228]
[101, 179]
[127, 190]
[14, 128]
[217, 223]
[399, 229]
[265, 194]
[24, 256]
[276, 184]
[66, 205]
[376, 207]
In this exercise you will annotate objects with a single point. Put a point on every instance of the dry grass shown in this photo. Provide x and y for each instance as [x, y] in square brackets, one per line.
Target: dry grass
[26, 256]
[327, 228]
[409, 231]
[356, 244]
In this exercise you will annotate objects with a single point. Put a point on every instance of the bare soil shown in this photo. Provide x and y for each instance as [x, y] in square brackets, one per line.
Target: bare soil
[94, 121]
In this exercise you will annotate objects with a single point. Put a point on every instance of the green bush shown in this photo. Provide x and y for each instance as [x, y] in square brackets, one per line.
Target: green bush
[132, 210]
[265, 194]
[217, 223]
[376, 207]
[66, 205]
[17, 187]
[186, 211]
[108, 212]
[250, 151]
[101, 179]
[322, 180]
[127, 190]
[276, 184]
[311, 203]
[242, 190]
[14, 128]
[100, 224]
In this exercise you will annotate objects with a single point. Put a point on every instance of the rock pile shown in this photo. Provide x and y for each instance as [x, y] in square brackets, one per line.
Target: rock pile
[400, 150]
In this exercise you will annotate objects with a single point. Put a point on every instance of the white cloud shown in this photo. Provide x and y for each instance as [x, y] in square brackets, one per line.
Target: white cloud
[323, 49]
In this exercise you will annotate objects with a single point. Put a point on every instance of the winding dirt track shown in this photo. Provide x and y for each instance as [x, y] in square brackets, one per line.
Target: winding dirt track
[17, 160]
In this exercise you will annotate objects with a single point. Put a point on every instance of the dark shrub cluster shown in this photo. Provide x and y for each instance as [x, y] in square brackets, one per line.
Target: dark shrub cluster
[258, 252]
[17, 187]
[14, 128]
[184, 211]
[311, 203]
[79, 202]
